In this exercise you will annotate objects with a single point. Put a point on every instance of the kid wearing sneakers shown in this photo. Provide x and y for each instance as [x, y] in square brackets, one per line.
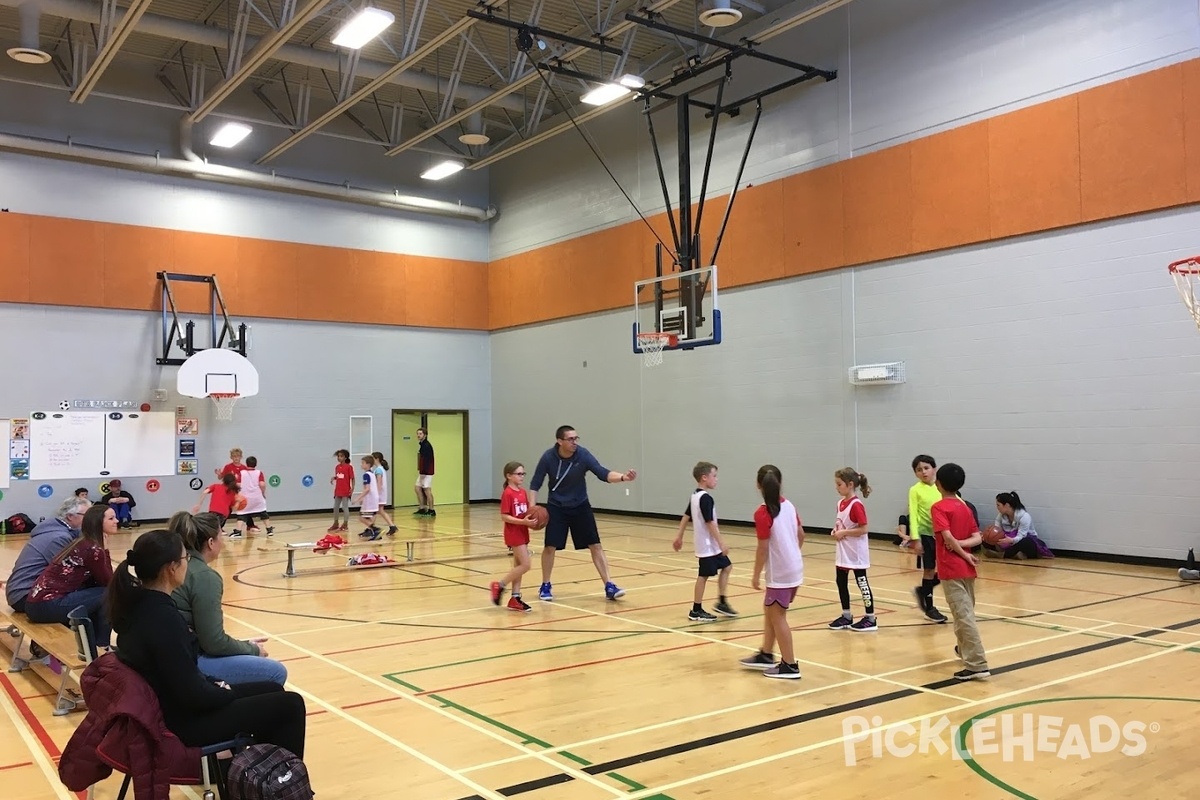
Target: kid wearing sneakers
[852, 550]
[343, 490]
[780, 537]
[368, 500]
[957, 533]
[514, 505]
[710, 549]
[921, 498]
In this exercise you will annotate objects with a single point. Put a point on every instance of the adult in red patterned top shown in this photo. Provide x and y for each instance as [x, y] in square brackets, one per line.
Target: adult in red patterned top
[77, 576]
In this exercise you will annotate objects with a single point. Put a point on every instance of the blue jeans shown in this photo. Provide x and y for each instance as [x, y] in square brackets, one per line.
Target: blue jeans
[243, 669]
[57, 610]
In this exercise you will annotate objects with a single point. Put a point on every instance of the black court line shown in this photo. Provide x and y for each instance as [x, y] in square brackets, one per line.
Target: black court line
[809, 716]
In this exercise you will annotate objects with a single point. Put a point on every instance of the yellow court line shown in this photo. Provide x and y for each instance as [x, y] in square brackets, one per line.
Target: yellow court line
[752, 704]
[36, 752]
[394, 690]
[667, 787]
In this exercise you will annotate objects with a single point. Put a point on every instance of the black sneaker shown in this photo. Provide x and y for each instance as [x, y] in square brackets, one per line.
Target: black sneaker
[865, 625]
[431, 513]
[919, 593]
[759, 660]
[270, 530]
[420, 512]
[782, 670]
[724, 609]
[933, 615]
[841, 624]
[701, 616]
[392, 530]
[971, 675]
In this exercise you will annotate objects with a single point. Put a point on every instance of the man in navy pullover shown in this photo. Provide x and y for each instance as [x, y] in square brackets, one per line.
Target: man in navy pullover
[566, 465]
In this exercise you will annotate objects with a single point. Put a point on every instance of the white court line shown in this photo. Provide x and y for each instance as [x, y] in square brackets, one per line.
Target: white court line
[753, 703]
[755, 649]
[36, 752]
[393, 689]
[661, 789]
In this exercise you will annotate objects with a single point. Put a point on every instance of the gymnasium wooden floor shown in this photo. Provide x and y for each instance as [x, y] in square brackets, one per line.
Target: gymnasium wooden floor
[417, 687]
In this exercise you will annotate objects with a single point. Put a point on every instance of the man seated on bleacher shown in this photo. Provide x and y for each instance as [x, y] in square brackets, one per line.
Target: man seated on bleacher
[47, 540]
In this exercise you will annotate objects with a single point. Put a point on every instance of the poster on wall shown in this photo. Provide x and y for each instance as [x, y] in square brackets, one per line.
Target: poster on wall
[18, 448]
[186, 426]
[187, 448]
[187, 466]
[5, 427]
[19, 429]
[18, 468]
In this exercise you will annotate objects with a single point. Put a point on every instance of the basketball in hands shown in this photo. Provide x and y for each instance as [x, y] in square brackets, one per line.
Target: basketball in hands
[540, 517]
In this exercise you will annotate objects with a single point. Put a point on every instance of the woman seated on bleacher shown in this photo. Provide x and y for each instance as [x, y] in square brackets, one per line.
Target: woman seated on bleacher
[77, 576]
[153, 639]
[199, 600]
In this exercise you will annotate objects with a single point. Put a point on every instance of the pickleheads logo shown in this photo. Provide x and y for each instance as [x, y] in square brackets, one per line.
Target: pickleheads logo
[1012, 737]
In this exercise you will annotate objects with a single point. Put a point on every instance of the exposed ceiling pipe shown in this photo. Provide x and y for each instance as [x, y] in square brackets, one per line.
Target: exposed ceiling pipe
[30, 50]
[181, 167]
[212, 36]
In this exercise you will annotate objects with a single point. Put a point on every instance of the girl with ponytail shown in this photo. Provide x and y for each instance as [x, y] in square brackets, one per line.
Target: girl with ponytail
[780, 536]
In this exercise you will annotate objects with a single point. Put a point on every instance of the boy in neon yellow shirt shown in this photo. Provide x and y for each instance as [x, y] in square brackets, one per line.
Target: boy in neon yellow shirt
[921, 498]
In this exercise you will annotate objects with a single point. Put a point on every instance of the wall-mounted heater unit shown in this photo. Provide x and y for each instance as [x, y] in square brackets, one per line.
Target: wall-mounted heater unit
[871, 374]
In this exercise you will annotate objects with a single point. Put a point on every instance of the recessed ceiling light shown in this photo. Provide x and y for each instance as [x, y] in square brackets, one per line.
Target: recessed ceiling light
[230, 134]
[631, 81]
[442, 170]
[474, 139]
[28, 55]
[363, 27]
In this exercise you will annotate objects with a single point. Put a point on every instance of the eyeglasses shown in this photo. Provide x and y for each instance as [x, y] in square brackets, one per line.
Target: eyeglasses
[517, 473]
[570, 438]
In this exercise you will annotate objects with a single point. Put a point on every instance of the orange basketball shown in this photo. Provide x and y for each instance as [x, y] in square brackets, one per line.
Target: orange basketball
[992, 535]
[540, 517]
[239, 504]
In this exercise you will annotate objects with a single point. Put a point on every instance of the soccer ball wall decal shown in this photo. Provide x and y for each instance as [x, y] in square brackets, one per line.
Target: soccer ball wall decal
[65, 405]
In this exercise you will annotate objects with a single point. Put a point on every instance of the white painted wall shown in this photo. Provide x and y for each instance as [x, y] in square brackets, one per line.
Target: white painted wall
[1060, 365]
[905, 70]
[312, 380]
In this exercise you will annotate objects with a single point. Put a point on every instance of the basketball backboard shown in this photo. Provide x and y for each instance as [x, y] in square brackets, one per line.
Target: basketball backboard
[217, 371]
[683, 304]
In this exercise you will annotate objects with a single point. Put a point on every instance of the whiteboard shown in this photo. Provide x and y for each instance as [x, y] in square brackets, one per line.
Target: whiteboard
[83, 444]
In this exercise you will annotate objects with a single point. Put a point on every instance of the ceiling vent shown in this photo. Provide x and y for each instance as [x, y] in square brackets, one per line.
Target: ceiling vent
[719, 14]
[30, 51]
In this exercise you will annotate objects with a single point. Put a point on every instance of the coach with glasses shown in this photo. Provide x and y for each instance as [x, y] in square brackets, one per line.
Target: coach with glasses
[566, 466]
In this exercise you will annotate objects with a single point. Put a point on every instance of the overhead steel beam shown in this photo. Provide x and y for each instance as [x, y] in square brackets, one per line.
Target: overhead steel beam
[530, 77]
[757, 32]
[410, 60]
[259, 55]
[118, 32]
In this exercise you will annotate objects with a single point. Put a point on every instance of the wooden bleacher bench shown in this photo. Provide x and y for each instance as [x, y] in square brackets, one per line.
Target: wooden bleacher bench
[409, 549]
[60, 644]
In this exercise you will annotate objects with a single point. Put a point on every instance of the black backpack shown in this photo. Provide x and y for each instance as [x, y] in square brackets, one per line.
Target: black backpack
[268, 772]
[18, 523]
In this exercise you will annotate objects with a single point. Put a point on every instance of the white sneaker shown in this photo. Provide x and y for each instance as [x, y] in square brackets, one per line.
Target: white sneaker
[1189, 574]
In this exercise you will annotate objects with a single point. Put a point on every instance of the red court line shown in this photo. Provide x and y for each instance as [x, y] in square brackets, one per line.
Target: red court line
[372, 702]
[455, 635]
[565, 667]
[35, 696]
[15, 766]
[315, 713]
[35, 725]
[293, 658]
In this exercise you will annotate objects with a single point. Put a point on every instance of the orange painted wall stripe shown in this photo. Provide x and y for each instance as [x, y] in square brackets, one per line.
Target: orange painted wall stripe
[1126, 147]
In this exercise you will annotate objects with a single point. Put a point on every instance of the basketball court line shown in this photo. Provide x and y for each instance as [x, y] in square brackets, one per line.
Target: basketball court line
[410, 698]
[663, 788]
[857, 705]
[754, 703]
[39, 751]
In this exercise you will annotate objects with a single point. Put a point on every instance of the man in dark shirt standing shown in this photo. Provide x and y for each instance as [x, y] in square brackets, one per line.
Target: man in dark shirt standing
[567, 465]
[424, 485]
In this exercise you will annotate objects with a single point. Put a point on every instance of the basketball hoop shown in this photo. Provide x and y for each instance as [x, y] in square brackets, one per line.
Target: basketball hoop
[1186, 273]
[652, 346]
[225, 401]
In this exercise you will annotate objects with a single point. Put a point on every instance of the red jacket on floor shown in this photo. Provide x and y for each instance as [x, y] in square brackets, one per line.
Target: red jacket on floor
[124, 730]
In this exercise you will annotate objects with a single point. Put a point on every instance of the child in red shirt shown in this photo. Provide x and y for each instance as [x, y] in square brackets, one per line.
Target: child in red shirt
[235, 465]
[955, 532]
[514, 505]
[343, 489]
[223, 497]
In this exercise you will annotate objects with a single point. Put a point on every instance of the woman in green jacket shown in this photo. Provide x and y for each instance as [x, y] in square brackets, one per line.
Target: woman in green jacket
[199, 601]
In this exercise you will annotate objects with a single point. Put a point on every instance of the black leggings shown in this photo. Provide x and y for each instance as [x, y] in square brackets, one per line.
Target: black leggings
[1027, 546]
[843, 584]
[249, 518]
[263, 710]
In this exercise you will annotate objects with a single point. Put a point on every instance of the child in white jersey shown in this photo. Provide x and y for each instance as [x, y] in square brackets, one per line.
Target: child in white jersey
[368, 499]
[852, 551]
[254, 489]
[711, 550]
[780, 537]
[381, 486]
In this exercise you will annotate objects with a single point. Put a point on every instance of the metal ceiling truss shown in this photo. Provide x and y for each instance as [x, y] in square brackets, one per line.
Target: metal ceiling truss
[111, 33]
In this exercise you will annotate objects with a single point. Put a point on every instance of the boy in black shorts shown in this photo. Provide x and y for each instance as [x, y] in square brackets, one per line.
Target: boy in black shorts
[711, 551]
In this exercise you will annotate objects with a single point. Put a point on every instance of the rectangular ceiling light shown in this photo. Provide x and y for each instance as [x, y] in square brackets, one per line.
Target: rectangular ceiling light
[363, 27]
[604, 94]
[442, 170]
[631, 81]
[229, 134]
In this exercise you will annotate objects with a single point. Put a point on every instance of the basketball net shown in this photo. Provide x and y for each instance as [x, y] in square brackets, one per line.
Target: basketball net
[1186, 273]
[652, 346]
[224, 403]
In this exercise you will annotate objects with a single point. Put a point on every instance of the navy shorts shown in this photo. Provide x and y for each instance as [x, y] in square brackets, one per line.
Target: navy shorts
[580, 521]
[711, 565]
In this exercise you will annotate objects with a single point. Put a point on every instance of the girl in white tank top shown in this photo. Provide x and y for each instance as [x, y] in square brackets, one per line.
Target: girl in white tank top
[853, 551]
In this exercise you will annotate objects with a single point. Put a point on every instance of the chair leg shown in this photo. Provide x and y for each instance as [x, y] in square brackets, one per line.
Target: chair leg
[65, 703]
[18, 663]
[124, 787]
